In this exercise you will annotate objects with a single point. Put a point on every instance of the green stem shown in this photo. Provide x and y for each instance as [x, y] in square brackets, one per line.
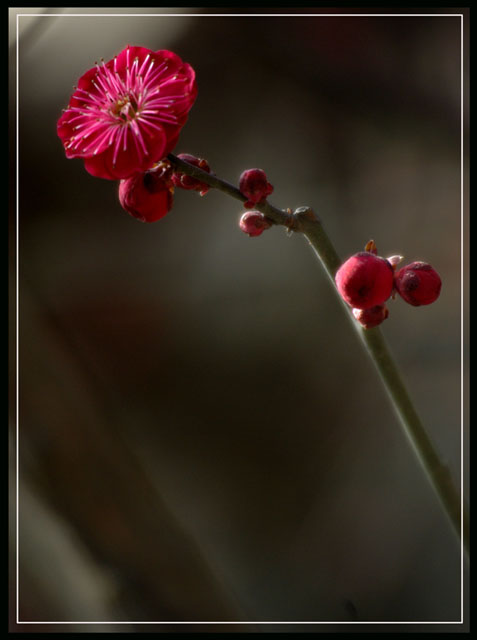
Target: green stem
[438, 473]
[305, 221]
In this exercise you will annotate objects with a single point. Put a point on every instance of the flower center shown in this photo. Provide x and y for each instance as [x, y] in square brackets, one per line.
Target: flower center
[125, 108]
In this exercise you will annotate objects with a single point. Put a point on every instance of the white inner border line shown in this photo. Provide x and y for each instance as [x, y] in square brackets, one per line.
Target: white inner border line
[462, 315]
[17, 319]
[17, 324]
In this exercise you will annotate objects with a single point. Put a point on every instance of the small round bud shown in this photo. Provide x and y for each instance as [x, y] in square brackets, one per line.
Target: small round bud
[147, 196]
[254, 186]
[365, 280]
[187, 182]
[418, 283]
[254, 223]
[371, 317]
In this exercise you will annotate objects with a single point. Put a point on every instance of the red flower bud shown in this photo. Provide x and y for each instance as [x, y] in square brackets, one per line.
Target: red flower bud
[254, 186]
[254, 223]
[418, 283]
[187, 182]
[365, 280]
[371, 317]
[147, 196]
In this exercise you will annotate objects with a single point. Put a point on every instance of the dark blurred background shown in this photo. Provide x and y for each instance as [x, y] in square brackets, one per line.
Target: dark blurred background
[201, 435]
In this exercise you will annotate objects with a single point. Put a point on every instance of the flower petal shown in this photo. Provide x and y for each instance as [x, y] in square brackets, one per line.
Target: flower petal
[129, 159]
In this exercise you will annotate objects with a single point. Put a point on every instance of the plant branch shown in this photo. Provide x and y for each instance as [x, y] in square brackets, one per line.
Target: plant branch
[304, 220]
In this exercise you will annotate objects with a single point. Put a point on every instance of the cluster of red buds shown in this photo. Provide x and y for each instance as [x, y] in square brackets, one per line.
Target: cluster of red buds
[148, 196]
[366, 281]
[254, 186]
